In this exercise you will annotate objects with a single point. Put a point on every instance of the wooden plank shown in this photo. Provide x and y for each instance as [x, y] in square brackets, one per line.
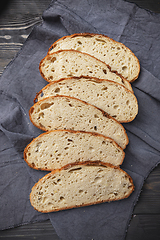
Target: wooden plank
[141, 227]
[39, 231]
[16, 22]
[149, 201]
[144, 227]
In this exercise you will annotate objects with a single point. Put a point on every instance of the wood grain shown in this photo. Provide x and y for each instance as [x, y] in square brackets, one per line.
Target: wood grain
[16, 22]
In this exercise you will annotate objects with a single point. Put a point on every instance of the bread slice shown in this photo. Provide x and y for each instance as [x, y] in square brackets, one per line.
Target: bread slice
[109, 96]
[84, 88]
[63, 112]
[55, 149]
[69, 63]
[115, 54]
[80, 185]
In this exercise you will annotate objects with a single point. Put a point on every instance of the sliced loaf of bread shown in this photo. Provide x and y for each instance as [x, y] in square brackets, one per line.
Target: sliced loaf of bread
[109, 96]
[63, 112]
[72, 63]
[115, 54]
[80, 185]
[55, 149]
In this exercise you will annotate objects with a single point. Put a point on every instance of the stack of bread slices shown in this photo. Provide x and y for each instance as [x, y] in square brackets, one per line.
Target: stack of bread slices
[81, 110]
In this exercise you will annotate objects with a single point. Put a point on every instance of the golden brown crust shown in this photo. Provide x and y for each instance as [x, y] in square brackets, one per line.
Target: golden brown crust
[94, 163]
[96, 34]
[71, 131]
[73, 50]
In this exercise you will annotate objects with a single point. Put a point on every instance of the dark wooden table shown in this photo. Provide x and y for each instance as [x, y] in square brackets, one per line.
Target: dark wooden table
[17, 18]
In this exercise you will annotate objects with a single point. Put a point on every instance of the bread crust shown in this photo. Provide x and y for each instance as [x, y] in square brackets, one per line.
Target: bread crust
[98, 35]
[84, 53]
[94, 163]
[71, 131]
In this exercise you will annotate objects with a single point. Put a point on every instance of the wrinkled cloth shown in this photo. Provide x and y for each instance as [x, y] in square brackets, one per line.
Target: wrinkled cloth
[139, 30]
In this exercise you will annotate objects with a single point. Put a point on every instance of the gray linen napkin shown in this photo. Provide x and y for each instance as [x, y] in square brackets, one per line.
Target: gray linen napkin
[140, 31]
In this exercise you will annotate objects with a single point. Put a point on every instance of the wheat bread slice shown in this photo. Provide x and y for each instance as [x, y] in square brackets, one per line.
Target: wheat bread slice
[63, 112]
[79, 87]
[113, 98]
[72, 63]
[109, 96]
[113, 53]
[79, 185]
[55, 149]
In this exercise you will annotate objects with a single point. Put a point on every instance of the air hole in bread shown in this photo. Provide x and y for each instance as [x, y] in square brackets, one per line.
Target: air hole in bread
[88, 36]
[116, 106]
[41, 125]
[53, 46]
[70, 140]
[91, 148]
[53, 70]
[53, 59]
[46, 105]
[100, 40]
[105, 71]
[124, 68]
[100, 170]
[41, 115]
[61, 198]
[95, 128]
[80, 191]
[98, 180]
[74, 170]
[57, 90]
[37, 146]
[105, 88]
[79, 42]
